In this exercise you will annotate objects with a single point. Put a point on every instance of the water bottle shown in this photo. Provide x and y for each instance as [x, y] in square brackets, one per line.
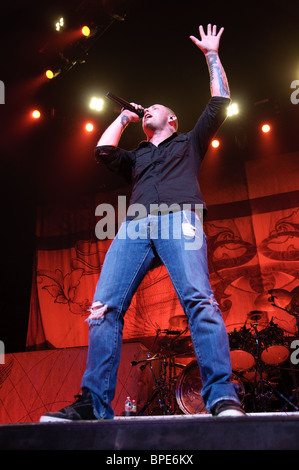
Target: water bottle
[128, 406]
[134, 407]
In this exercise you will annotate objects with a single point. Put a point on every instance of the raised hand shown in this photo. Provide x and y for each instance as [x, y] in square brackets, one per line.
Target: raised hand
[209, 42]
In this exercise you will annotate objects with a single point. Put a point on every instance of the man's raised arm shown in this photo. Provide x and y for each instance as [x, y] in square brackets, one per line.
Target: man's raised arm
[209, 44]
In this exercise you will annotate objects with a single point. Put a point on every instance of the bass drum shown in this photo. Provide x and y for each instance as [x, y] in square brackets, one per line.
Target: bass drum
[242, 349]
[188, 390]
[275, 348]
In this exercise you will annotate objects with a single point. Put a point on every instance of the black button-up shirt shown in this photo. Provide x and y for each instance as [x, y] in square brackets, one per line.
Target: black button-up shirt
[168, 173]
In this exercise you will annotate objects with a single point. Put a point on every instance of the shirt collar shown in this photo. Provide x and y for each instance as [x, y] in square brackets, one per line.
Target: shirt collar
[146, 143]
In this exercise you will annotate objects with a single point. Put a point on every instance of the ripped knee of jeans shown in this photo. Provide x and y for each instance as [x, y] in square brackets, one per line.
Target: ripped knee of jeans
[213, 302]
[97, 311]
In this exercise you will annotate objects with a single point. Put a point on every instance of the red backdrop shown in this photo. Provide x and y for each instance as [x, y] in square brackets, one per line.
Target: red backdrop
[252, 229]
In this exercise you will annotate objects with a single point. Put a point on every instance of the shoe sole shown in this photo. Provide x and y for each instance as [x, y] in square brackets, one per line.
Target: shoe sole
[230, 413]
[50, 419]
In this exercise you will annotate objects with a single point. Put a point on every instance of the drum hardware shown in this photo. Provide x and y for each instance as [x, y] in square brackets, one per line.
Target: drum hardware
[259, 317]
[176, 343]
[164, 386]
[241, 349]
[251, 348]
[275, 348]
[259, 365]
[173, 344]
[179, 322]
[286, 301]
[290, 401]
[189, 386]
[281, 300]
[262, 383]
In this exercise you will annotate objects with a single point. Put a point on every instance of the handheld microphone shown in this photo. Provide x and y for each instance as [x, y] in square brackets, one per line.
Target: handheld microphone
[124, 104]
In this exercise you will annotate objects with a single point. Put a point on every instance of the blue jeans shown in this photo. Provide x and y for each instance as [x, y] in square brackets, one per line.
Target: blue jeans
[181, 246]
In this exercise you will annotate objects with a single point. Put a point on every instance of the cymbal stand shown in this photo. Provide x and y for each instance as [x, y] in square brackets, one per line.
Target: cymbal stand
[266, 382]
[163, 388]
[295, 392]
[259, 365]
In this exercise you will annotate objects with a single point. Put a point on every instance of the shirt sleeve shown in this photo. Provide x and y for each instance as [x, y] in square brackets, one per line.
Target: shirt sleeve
[117, 160]
[208, 124]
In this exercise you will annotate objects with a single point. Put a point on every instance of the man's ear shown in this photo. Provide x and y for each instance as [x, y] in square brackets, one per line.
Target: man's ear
[173, 121]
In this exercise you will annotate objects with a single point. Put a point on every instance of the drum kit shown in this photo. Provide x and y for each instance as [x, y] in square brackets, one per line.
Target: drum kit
[264, 376]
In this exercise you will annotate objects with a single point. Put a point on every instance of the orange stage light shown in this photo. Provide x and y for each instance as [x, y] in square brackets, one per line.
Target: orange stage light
[89, 127]
[266, 128]
[36, 114]
[215, 143]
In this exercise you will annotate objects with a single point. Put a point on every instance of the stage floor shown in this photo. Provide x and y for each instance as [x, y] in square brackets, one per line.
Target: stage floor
[155, 434]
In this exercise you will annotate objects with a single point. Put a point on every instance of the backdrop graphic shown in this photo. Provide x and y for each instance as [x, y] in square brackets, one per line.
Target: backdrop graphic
[253, 247]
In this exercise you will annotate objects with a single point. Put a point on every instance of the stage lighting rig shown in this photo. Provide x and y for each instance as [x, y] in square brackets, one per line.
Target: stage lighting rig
[89, 31]
[50, 74]
[232, 110]
[71, 47]
[66, 61]
[59, 24]
[96, 103]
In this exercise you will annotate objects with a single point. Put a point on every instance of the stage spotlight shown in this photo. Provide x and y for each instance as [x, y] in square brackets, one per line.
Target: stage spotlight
[215, 143]
[266, 128]
[85, 31]
[232, 110]
[96, 103]
[89, 127]
[50, 74]
[59, 24]
[36, 114]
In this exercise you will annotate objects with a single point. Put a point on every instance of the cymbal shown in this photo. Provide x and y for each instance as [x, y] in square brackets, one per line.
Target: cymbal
[258, 316]
[179, 322]
[289, 301]
[263, 302]
[178, 346]
[276, 308]
[183, 346]
[281, 297]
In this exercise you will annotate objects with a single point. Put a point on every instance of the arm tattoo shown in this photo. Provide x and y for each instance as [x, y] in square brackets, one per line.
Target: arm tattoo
[219, 84]
[124, 120]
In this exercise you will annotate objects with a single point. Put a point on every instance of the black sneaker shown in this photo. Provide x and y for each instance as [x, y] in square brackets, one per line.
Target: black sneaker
[81, 409]
[227, 408]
